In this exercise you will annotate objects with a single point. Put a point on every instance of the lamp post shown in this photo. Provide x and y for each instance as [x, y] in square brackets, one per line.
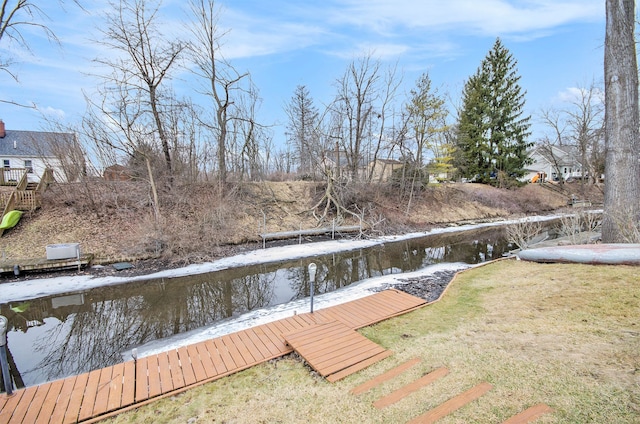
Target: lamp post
[8, 385]
[312, 279]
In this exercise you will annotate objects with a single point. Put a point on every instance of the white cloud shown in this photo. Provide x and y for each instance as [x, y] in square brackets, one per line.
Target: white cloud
[575, 95]
[52, 113]
[487, 17]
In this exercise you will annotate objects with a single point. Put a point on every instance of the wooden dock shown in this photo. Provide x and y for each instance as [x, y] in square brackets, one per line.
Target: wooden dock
[44, 264]
[108, 391]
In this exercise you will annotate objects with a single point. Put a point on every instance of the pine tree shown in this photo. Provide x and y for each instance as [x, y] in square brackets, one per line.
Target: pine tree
[492, 127]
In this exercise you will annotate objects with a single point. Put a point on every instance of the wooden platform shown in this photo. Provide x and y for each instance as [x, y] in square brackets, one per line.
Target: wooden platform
[101, 393]
[335, 350]
[44, 264]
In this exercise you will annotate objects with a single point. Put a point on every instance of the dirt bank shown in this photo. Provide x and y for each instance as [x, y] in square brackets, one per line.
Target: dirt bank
[115, 221]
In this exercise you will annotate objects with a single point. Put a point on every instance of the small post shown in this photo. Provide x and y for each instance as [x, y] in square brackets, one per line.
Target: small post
[312, 279]
[264, 230]
[134, 355]
[4, 363]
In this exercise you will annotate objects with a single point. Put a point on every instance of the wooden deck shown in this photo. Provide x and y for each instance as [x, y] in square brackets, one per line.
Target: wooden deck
[44, 264]
[335, 350]
[101, 393]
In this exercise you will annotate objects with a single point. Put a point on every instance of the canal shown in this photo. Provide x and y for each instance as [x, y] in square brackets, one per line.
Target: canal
[56, 336]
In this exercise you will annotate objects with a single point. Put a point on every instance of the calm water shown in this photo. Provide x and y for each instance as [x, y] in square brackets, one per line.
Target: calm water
[54, 337]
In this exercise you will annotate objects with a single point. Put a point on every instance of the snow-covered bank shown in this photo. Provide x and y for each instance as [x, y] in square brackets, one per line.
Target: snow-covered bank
[266, 315]
[31, 289]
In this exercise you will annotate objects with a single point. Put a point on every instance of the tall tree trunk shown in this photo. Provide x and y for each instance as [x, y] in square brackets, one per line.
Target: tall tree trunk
[622, 132]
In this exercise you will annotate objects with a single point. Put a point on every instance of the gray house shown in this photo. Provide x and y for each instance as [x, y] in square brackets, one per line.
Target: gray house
[33, 151]
[554, 161]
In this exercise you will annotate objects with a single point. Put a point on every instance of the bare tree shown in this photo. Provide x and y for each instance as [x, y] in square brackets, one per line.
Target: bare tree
[622, 122]
[586, 122]
[16, 15]
[144, 61]
[116, 128]
[553, 119]
[355, 103]
[578, 129]
[253, 137]
[221, 80]
[303, 130]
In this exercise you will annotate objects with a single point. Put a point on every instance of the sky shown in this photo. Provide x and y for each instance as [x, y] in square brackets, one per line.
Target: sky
[558, 45]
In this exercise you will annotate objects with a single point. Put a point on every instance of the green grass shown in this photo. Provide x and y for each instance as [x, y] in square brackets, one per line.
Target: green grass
[565, 335]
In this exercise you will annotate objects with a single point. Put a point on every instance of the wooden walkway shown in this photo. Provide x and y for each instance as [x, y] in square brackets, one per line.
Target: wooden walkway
[335, 350]
[101, 393]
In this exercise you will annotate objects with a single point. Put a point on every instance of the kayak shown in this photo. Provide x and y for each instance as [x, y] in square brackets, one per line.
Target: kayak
[606, 254]
[10, 219]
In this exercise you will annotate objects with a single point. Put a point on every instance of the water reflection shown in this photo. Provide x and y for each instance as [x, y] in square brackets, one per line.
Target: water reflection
[53, 337]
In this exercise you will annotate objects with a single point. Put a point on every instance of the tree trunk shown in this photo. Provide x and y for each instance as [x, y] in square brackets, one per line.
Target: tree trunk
[622, 133]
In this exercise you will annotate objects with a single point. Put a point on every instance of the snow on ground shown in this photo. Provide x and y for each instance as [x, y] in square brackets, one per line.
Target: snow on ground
[274, 313]
[35, 288]
[31, 289]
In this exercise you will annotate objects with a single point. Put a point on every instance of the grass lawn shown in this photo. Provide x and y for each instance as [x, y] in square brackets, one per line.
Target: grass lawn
[564, 335]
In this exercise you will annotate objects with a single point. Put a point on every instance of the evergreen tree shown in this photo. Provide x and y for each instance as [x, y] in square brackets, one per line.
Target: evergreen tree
[492, 128]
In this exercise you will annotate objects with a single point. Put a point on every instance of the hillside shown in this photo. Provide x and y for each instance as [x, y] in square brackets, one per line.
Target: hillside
[115, 221]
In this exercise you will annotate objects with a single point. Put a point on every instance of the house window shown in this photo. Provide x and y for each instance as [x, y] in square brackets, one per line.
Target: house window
[6, 164]
[28, 165]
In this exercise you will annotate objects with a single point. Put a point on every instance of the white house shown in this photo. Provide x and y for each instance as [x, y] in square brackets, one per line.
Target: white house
[555, 162]
[33, 151]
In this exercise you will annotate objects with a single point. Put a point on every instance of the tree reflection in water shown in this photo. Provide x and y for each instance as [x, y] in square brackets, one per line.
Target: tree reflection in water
[88, 330]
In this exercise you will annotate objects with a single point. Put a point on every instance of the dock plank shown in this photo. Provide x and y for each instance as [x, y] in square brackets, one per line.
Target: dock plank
[89, 398]
[332, 378]
[206, 360]
[186, 365]
[128, 384]
[452, 404]
[114, 401]
[177, 374]
[102, 394]
[219, 357]
[17, 405]
[33, 411]
[49, 401]
[153, 374]
[166, 381]
[142, 379]
[104, 391]
[382, 378]
[405, 391]
[75, 401]
[529, 414]
[62, 403]
[197, 364]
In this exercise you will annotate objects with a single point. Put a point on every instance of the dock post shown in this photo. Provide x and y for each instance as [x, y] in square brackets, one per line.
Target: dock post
[8, 385]
[312, 280]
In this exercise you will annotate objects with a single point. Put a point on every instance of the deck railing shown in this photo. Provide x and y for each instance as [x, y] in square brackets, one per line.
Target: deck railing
[12, 176]
[21, 198]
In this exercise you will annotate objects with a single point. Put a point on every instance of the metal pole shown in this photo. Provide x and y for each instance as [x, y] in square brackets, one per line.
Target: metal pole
[312, 280]
[8, 385]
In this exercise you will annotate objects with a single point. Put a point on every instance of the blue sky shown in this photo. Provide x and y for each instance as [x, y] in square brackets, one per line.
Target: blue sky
[558, 44]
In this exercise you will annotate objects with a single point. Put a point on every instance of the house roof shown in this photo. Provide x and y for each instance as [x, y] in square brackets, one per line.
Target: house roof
[32, 143]
[563, 155]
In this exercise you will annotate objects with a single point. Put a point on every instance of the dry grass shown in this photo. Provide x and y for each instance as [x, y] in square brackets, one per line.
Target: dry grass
[565, 335]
